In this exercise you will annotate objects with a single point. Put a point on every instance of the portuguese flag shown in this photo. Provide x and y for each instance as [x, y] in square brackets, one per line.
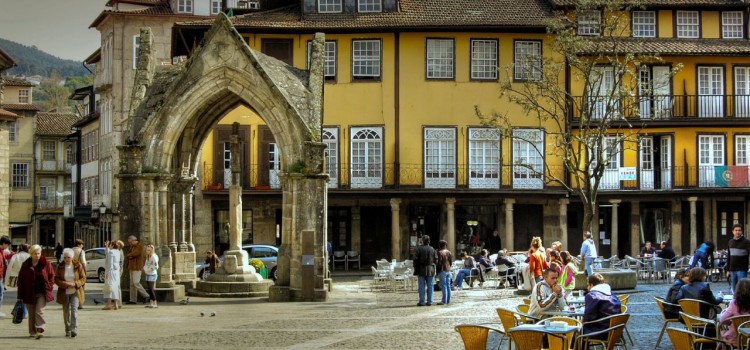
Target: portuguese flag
[730, 176]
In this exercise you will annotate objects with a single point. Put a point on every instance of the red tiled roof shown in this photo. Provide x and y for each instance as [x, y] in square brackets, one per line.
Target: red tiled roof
[669, 3]
[8, 114]
[412, 14]
[158, 10]
[9, 81]
[671, 46]
[57, 124]
[111, 3]
[19, 107]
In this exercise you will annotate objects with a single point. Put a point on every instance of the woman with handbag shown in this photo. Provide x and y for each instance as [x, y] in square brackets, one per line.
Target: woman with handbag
[35, 282]
[112, 273]
[70, 279]
[150, 268]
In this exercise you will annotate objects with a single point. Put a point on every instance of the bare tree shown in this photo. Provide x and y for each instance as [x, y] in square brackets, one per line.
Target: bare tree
[589, 92]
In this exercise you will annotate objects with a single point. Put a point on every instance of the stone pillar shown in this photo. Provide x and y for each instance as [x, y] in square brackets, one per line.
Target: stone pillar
[693, 224]
[509, 223]
[395, 229]
[184, 258]
[356, 240]
[563, 221]
[675, 237]
[635, 228]
[615, 235]
[450, 206]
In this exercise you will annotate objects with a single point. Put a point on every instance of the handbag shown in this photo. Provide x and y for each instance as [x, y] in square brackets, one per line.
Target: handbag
[19, 312]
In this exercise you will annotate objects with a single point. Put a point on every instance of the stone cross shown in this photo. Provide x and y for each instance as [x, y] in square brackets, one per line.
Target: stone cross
[235, 192]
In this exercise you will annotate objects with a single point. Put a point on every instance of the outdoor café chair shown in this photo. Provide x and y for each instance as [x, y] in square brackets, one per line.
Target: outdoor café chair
[475, 336]
[694, 306]
[614, 335]
[570, 322]
[736, 323]
[662, 305]
[530, 339]
[685, 339]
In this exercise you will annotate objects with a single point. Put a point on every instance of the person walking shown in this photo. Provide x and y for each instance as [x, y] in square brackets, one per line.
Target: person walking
[70, 279]
[135, 268]
[424, 267]
[80, 257]
[588, 253]
[14, 266]
[4, 244]
[444, 262]
[35, 282]
[113, 271]
[151, 268]
[737, 259]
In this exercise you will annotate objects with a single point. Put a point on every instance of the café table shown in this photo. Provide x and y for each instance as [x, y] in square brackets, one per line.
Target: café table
[575, 313]
[560, 332]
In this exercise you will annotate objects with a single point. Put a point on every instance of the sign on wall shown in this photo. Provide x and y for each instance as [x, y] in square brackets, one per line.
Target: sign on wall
[627, 174]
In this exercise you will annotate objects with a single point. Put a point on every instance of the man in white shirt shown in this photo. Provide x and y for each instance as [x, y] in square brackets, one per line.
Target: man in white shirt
[547, 295]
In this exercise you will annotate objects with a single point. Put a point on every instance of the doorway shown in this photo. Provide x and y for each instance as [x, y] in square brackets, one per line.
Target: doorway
[527, 223]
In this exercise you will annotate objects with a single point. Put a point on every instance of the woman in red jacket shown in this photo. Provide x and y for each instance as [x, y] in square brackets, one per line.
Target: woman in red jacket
[35, 282]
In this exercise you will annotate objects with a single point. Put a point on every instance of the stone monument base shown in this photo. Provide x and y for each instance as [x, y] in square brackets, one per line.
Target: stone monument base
[284, 293]
[616, 278]
[231, 289]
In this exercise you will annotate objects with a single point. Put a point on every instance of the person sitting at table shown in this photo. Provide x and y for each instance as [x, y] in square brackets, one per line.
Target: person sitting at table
[484, 265]
[680, 279]
[569, 272]
[698, 288]
[469, 265]
[503, 259]
[547, 295]
[666, 252]
[703, 255]
[555, 261]
[740, 305]
[537, 259]
[647, 250]
[600, 302]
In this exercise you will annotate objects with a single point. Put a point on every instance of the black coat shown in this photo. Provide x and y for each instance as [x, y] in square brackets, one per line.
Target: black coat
[424, 261]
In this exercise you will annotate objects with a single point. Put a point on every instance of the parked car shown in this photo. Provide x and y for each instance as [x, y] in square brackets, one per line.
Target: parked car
[266, 253]
[95, 261]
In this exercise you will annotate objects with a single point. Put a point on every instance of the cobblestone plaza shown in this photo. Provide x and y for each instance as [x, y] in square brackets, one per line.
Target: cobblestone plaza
[354, 318]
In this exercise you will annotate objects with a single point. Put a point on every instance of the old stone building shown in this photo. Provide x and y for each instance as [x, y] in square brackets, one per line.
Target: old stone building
[7, 119]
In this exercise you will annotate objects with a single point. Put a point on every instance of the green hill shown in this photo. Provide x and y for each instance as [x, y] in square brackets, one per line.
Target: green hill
[32, 61]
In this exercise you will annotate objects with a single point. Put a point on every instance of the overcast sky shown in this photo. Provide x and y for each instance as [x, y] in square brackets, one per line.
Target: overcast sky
[58, 27]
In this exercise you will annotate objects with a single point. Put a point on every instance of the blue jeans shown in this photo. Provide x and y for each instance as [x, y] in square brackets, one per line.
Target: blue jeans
[588, 262]
[462, 273]
[429, 281]
[445, 285]
[736, 276]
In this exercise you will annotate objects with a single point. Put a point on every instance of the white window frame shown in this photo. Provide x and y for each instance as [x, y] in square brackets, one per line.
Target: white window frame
[710, 155]
[688, 24]
[732, 25]
[484, 54]
[366, 56]
[215, 7]
[48, 150]
[329, 66]
[741, 91]
[484, 158]
[711, 82]
[19, 175]
[330, 6]
[527, 58]
[184, 6]
[742, 150]
[24, 96]
[136, 48]
[644, 24]
[13, 132]
[440, 58]
[331, 154]
[439, 157]
[589, 22]
[528, 158]
[369, 6]
[366, 157]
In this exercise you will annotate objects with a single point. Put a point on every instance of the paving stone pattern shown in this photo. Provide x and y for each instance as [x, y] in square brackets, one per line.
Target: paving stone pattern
[354, 318]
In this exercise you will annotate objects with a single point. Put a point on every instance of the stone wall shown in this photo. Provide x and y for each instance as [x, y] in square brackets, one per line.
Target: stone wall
[4, 181]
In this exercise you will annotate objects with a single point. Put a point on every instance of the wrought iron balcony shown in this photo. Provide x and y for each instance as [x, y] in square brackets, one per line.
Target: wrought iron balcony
[665, 107]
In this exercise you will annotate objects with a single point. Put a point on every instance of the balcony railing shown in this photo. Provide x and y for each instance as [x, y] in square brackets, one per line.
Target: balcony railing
[52, 202]
[53, 166]
[665, 107]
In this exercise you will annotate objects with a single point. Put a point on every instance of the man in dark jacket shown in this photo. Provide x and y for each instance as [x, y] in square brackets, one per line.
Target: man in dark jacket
[666, 252]
[503, 259]
[424, 267]
[738, 257]
[600, 303]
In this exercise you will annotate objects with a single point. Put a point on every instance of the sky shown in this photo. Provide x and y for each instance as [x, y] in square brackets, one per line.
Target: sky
[58, 27]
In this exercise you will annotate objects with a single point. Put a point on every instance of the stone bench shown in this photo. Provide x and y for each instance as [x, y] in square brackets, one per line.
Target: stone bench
[616, 278]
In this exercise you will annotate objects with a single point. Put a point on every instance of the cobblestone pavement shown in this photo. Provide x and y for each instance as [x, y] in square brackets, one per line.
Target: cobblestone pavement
[354, 318]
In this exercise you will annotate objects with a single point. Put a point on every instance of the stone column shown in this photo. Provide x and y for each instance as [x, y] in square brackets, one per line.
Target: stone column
[563, 221]
[693, 224]
[509, 224]
[356, 241]
[395, 229]
[635, 228]
[450, 206]
[675, 238]
[184, 258]
[615, 234]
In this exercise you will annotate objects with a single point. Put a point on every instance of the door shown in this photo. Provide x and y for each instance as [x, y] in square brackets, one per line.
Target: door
[654, 90]
[656, 162]
[375, 234]
[647, 163]
[274, 165]
[331, 154]
[710, 92]
[601, 92]
[339, 228]
[527, 219]
[742, 92]
[728, 214]
[710, 155]
[665, 162]
[484, 158]
[611, 177]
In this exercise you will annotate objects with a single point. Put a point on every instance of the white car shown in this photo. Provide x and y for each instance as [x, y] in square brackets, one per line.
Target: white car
[95, 261]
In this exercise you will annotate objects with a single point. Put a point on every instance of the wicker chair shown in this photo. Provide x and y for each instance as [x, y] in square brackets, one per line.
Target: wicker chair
[530, 339]
[695, 323]
[736, 323]
[661, 304]
[558, 343]
[740, 336]
[475, 336]
[523, 313]
[614, 335]
[623, 298]
[509, 319]
[685, 339]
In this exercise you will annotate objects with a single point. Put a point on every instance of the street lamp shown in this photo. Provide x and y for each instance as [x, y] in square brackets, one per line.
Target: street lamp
[102, 209]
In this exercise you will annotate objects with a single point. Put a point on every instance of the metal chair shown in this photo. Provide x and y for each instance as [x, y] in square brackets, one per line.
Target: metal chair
[615, 320]
[662, 307]
[475, 336]
[379, 278]
[737, 322]
[661, 269]
[695, 307]
[523, 314]
[743, 344]
[695, 323]
[529, 339]
[509, 319]
[340, 256]
[614, 335]
[352, 256]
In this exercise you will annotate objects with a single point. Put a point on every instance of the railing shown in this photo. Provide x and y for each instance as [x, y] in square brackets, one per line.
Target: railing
[679, 177]
[53, 166]
[52, 202]
[661, 107]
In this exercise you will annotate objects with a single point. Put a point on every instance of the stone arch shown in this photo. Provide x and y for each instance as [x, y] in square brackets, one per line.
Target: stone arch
[172, 112]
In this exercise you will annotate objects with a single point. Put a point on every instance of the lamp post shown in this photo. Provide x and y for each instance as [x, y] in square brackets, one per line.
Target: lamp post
[102, 224]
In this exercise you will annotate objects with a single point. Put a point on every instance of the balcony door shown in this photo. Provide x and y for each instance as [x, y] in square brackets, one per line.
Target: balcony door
[710, 155]
[742, 92]
[528, 158]
[484, 158]
[655, 90]
[611, 177]
[439, 158]
[656, 162]
[601, 93]
[366, 157]
[710, 92]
